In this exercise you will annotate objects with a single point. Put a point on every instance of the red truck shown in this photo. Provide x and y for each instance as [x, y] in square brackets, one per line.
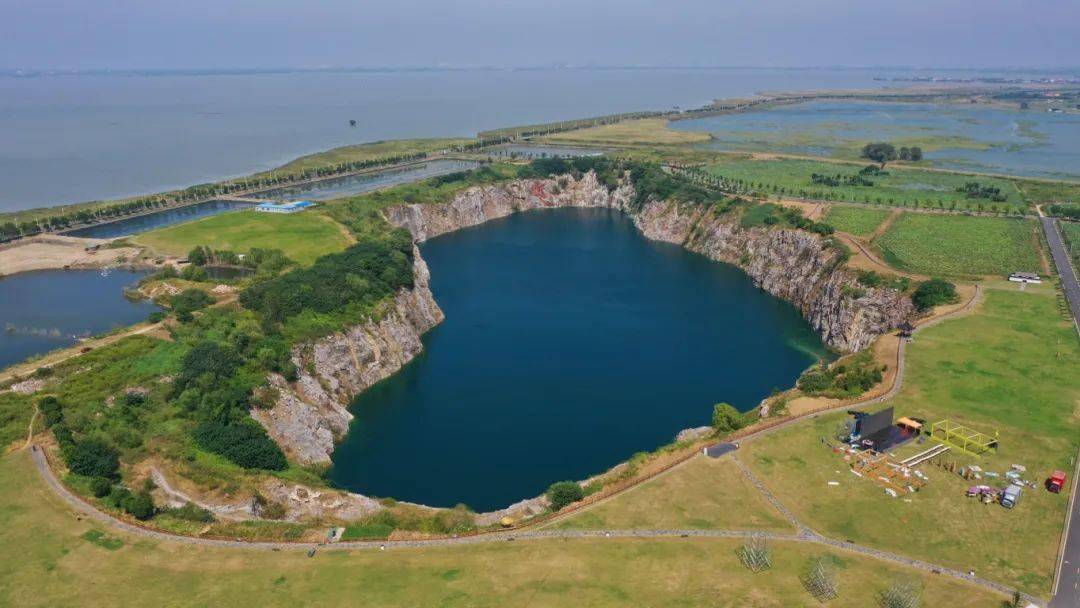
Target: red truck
[1056, 481]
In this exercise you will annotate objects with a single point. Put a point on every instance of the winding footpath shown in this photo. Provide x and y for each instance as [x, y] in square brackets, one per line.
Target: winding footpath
[803, 533]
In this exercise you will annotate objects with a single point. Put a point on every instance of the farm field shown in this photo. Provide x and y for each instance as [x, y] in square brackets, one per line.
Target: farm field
[302, 236]
[901, 187]
[653, 131]
[859, 221]
[956, 245]
[1010, 366]
[65, 561]
[703, 493]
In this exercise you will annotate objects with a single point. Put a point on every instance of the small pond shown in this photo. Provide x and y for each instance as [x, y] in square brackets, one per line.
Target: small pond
[45, 310]
[352, 185]
[570, 343]
[157, 219]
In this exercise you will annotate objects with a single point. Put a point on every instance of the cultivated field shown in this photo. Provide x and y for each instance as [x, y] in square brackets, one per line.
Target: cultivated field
[302, 236]
[1071, 232]
[859, 221]
[1011, 366]
[901, 187]
[960, 245]
[63, 560]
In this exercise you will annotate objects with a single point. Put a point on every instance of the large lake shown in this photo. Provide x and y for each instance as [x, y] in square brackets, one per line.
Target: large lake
[993, 139]
[570, 343]
[72, 138]
[43, 311]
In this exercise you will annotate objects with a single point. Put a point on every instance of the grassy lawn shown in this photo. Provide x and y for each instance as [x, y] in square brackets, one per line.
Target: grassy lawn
[1071, 233]
[1011, 366]
[378, 149]
[855, 220]
[704, 493]
[645, 131]
[302, 236]
[61, 560]
[901, 187]
[960, 245]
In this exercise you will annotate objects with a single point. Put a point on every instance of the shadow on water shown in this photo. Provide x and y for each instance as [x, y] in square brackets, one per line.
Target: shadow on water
[570, 342]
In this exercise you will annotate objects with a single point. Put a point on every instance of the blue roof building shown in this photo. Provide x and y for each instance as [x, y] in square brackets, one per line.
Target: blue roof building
[292, 207]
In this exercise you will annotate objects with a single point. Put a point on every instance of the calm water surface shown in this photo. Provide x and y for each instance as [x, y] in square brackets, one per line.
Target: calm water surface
[570, 342]
[157, 219]
[46, 310]
[358, 184]
[1020, 143]
[116, 136]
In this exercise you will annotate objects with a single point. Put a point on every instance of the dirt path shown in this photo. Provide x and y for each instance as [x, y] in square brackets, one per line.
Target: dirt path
[885, 224]
[59, 356]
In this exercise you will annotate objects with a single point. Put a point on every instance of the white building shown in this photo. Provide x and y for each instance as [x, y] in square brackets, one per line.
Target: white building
[292, 207]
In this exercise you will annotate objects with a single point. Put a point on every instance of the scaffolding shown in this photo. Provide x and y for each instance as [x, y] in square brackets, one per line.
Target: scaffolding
[960, 437]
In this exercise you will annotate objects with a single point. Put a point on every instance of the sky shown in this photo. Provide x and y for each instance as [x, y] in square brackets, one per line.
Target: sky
[213, 34]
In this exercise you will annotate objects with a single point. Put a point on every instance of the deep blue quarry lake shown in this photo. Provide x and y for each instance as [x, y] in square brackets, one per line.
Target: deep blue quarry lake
[570, 343]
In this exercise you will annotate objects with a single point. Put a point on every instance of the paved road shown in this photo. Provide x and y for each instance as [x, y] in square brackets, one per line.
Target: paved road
[1069, 283]
[1068, 581]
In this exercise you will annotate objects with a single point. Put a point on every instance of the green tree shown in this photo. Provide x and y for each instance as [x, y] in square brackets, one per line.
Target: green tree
[562, 493]
[916, 153]
[93, 458]
[726, 418]
[879, 152]
[934, 293]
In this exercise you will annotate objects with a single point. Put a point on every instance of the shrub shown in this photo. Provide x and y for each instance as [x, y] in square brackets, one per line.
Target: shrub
[140, 505]
[190, 300]
[155, 317]
[934, 293]
[93, 458]
[562, 493]
[244, 443]
[191, 512]
[50, 410]
[726, 418]
[100, 487]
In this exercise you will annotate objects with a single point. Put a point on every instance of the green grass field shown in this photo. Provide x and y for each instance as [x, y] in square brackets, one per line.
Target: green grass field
[944, 245]
[859, 221]
[1070, 231]
[1010, 366]
[302, 236]
[65, 561]
[901, 187]
[374, 150]
[703, 493]
[652, 131]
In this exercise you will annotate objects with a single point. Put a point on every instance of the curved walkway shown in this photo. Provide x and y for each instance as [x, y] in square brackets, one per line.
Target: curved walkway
[542, 531]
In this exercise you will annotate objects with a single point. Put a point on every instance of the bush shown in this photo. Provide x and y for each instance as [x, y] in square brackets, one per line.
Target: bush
[188, 301]
[155, 317]
[93, 458]
[244, 443]
[100, 487]
[562, 493]
[726, 418]
[191, 512]
[934, 293]
[140, 506]
[50, 410]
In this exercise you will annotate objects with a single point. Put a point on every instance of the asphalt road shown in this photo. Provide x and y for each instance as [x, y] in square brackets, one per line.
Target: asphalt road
[1061, 259]
[1068, 584]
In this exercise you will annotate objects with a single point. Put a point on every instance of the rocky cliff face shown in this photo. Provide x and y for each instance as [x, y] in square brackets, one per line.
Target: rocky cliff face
[310, 414]
[797, 266]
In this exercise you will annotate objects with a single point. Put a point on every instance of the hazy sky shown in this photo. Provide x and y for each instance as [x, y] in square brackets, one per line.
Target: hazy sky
[317, 33]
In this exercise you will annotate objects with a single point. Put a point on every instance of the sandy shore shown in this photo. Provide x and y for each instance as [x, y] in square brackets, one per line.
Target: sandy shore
[57, 252]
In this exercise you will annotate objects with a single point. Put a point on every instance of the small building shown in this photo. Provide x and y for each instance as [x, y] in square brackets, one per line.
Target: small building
[1025, 277]
[292, 207]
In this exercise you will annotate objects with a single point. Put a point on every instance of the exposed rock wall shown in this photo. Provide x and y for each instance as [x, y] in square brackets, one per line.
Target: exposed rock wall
[310, 414]
[797, 266]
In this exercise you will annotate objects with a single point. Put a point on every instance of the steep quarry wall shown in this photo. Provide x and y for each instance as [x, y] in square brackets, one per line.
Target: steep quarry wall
[797, 266]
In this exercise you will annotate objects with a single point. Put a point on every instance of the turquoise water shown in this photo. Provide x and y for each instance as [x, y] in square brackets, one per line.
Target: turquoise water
[1020, 142]
[570, 343]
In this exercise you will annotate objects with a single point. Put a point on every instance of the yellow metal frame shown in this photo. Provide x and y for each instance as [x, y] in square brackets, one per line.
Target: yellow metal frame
[963, 438]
